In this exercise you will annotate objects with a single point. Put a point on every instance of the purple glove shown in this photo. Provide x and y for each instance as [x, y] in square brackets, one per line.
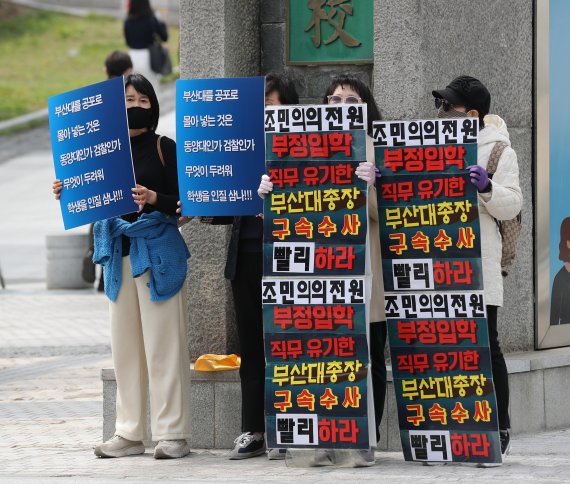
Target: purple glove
[479, 177]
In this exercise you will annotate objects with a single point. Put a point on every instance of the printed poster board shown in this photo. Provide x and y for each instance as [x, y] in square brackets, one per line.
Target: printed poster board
[552, 242]
[220, 145]
[315, 285]
[434, 300]
[92, 152]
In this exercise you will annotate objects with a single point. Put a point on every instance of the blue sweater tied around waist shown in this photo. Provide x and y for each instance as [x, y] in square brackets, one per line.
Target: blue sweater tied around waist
[156, 245]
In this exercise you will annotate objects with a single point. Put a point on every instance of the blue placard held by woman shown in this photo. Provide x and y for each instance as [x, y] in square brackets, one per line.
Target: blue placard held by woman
[221, 145]
[92, 152]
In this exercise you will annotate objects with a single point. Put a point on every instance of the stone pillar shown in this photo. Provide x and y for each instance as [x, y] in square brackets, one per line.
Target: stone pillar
[398, 78]
[218, 38]
[421, 45]
[65, 255]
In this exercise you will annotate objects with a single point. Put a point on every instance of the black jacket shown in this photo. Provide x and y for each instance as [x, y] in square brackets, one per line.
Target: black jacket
[237, 234]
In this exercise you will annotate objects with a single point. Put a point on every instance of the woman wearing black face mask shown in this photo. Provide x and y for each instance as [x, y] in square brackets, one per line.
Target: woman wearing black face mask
[144, 262]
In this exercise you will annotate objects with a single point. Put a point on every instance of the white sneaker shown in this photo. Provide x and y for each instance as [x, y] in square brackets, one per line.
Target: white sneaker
[118, 446]
[171, 449]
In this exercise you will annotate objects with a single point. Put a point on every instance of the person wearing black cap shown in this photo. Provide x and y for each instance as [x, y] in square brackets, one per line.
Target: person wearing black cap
[500, 198]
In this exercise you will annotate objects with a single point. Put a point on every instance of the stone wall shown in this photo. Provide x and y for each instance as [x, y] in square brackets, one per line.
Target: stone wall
[218, 38]
[420, 45]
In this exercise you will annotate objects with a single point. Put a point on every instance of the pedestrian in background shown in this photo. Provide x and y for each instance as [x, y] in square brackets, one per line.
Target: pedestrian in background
[118, 63]
[144, 260]
[140, 28]
[500, 198]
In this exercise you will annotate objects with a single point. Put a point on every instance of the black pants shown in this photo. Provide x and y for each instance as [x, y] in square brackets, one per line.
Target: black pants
[499, 368]
[378, 333]
[246, 289]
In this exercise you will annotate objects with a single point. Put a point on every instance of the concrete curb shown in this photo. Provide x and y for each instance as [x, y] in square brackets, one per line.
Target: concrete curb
[25, 118]
[168, 10]
[166, 106]
[79, 11]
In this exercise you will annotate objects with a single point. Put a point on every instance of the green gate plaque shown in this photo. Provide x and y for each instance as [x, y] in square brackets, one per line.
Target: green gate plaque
[330, 31]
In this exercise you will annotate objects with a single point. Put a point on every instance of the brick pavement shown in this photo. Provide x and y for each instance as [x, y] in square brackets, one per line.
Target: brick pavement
[33, 319]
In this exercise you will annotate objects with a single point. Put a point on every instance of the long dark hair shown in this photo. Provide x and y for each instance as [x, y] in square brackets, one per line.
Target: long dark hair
[564, 254]
[143, 86]
[284, 87]
[362, 90]
[139, 8]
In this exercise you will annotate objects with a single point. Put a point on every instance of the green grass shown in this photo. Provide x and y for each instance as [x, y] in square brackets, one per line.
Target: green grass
[44, 53]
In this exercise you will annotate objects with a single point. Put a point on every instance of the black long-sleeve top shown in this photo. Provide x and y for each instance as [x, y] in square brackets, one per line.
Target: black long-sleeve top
[152, 174]
[139, 32]
[247, 236]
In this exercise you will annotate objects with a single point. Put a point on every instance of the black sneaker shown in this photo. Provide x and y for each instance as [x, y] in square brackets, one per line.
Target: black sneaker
[248, 445]
[505, 443]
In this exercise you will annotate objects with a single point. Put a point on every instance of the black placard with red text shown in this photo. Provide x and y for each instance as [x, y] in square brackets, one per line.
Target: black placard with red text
[434, 300]
[315, 287]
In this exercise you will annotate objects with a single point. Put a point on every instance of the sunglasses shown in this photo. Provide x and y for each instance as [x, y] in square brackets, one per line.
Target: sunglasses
[443, 103]
[333, 99]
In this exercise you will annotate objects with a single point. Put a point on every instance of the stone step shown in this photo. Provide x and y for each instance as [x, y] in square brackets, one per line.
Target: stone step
[539, 396]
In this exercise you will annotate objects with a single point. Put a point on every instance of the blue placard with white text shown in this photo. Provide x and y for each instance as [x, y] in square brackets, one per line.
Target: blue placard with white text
[220, 145]
[92, 152]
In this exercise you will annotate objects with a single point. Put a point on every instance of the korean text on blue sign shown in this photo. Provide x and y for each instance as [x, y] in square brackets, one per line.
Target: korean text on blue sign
[434, 299]
[92, 152]
[220, 145]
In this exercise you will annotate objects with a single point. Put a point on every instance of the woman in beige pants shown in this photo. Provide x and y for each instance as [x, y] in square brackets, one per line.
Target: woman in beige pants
[144, 263]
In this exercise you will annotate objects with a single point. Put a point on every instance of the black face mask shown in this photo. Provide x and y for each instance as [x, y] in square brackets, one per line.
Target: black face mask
[139, 118]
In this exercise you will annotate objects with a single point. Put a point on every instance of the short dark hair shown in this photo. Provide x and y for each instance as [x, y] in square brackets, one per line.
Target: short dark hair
[117, 63]
[143, 86]
[564, 251]
[363, 91]
[284, 87]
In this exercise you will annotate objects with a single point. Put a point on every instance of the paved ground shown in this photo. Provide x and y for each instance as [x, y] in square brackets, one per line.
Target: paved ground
[53, 345]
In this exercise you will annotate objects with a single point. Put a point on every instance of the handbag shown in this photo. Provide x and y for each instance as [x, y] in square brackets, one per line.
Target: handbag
[510, 229]
[88, 267]
[160, 61]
